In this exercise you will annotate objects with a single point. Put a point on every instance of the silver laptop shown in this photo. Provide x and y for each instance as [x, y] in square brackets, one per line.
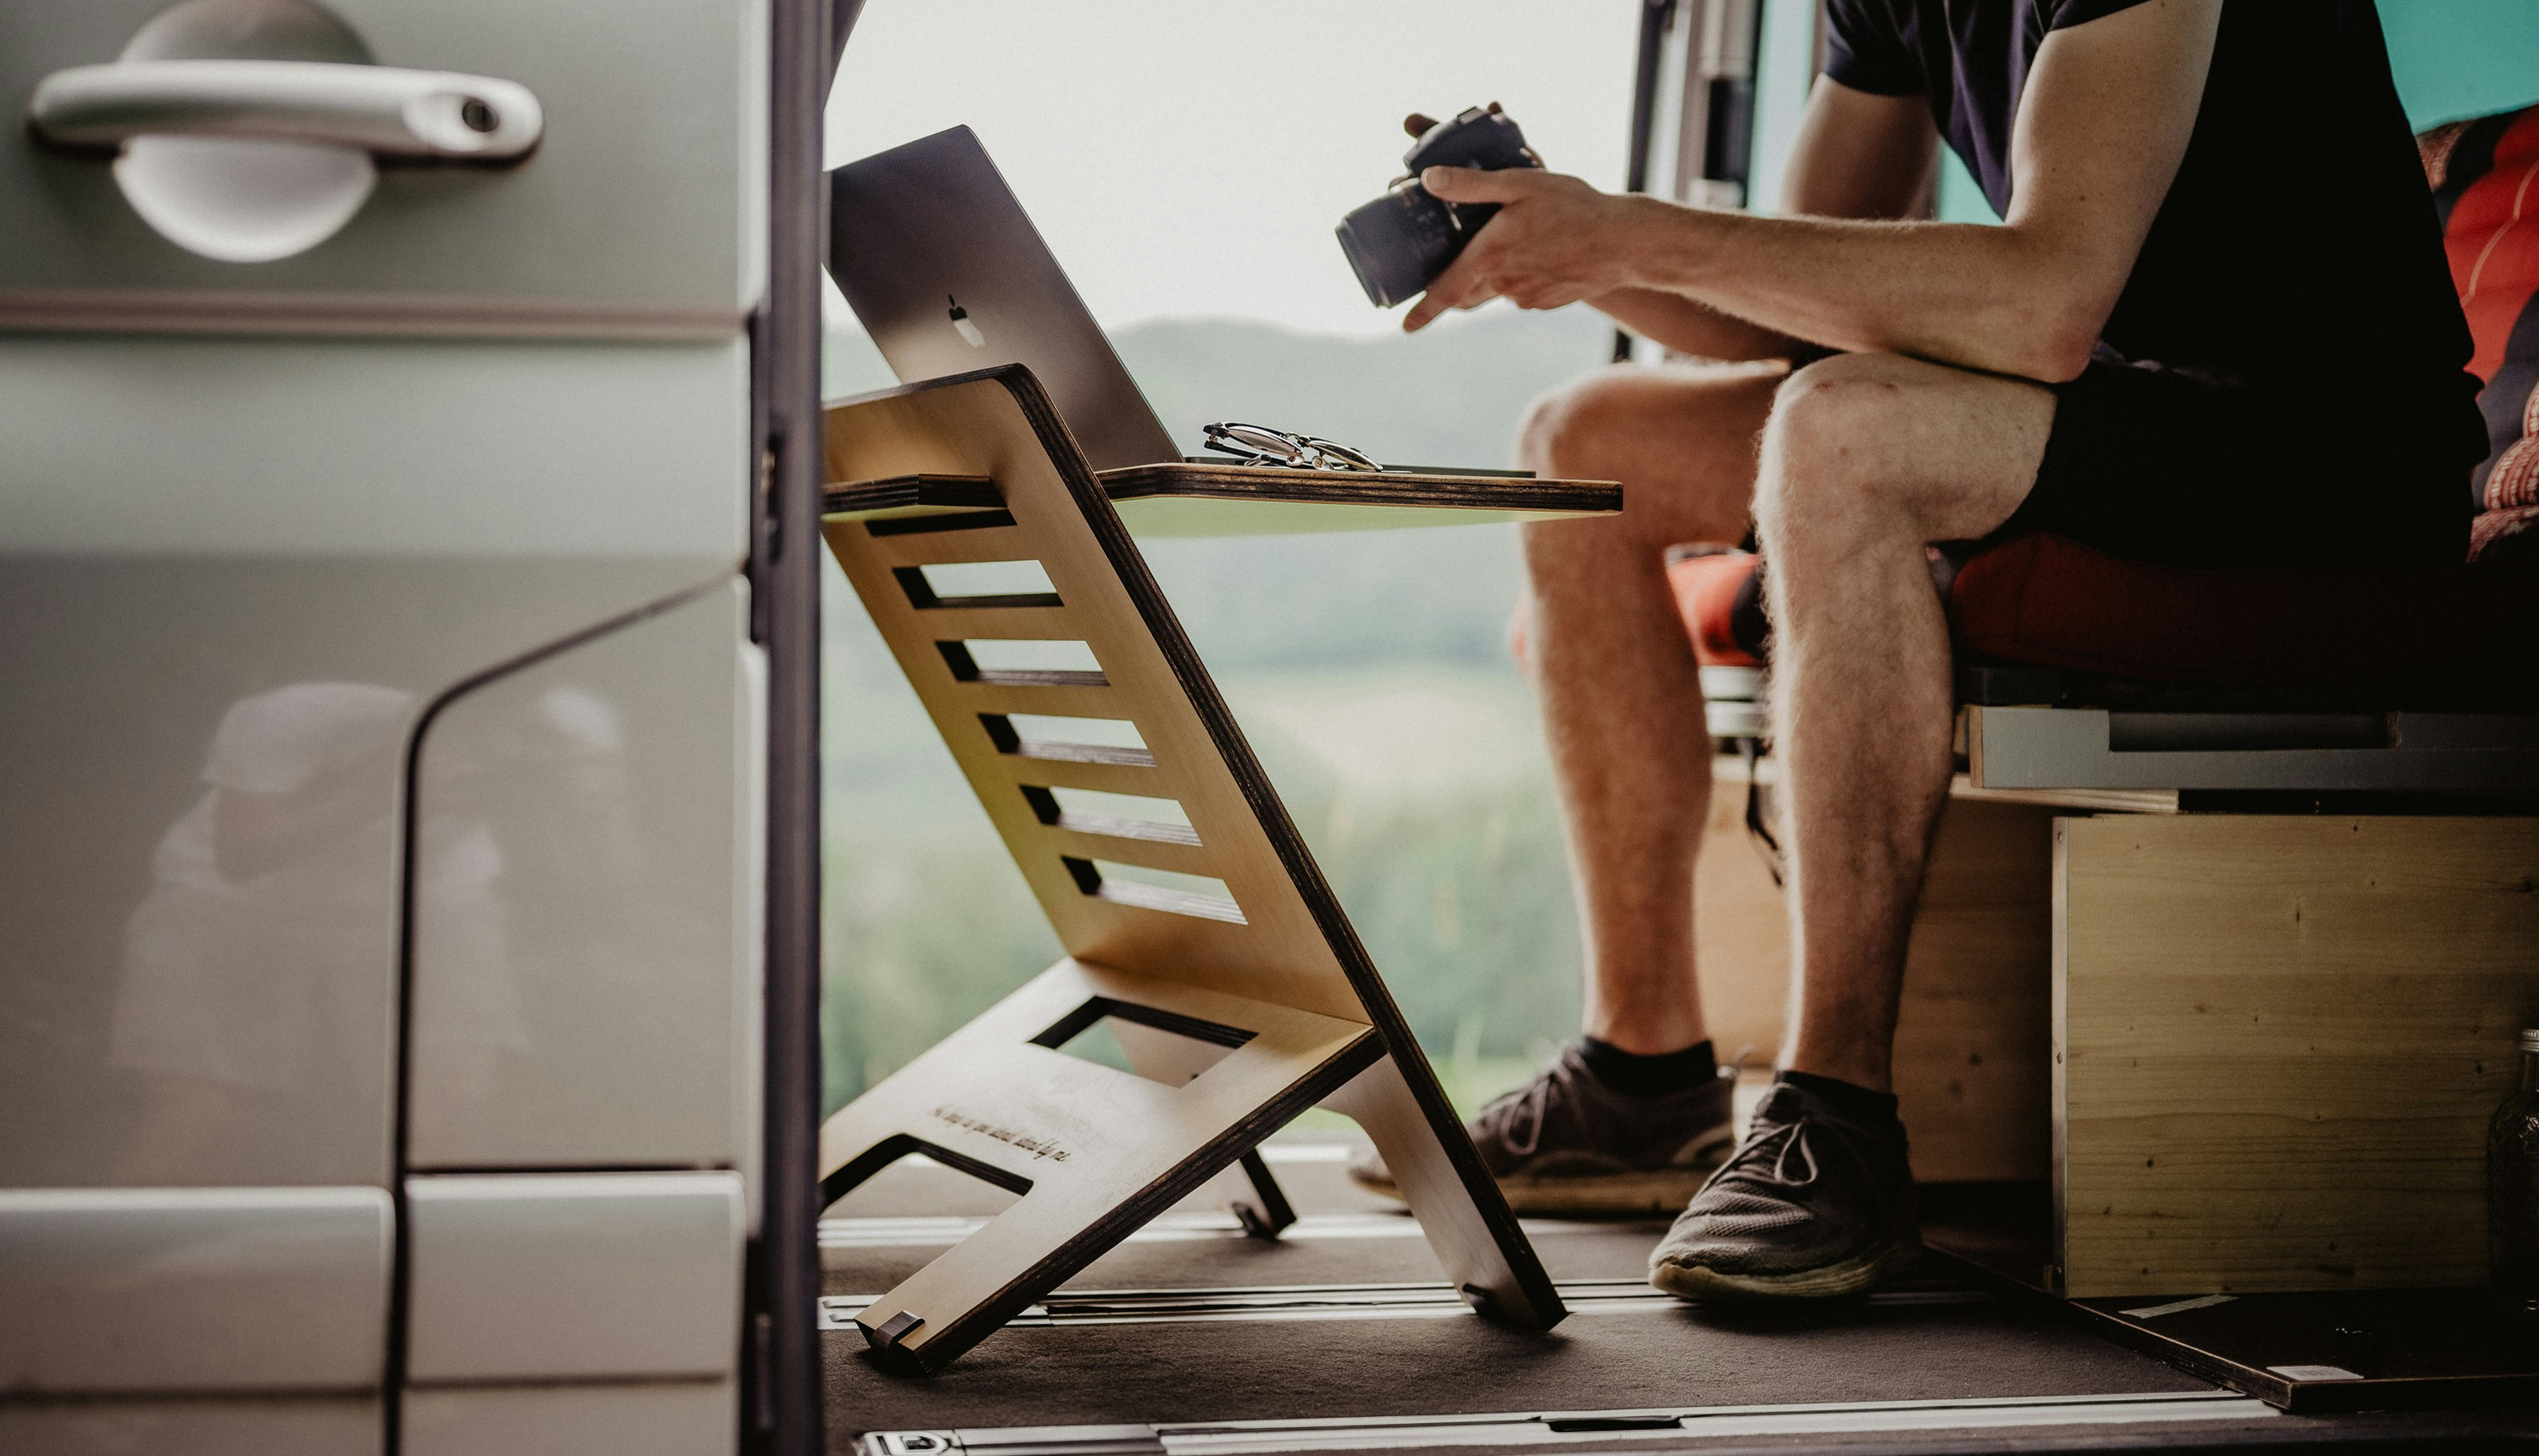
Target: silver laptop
[937, 258]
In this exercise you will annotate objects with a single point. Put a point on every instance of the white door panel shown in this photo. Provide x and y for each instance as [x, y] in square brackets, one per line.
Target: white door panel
[640, 211]
[196, 1290]
[338, 1427]
[683, 1419]
[583, 949]
[232, 576]
[574, 1277]
[375, 448]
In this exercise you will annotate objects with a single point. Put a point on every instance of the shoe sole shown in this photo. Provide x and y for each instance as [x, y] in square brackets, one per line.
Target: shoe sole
[1661, 1193]
[1837, 1280]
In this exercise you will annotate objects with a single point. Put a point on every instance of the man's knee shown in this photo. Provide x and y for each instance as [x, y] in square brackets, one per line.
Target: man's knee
[1589, 427]
[1831, 458]
[1839, 416]
[1566, 428]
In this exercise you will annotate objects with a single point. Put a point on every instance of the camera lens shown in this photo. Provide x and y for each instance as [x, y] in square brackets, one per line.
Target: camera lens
[1399, 244]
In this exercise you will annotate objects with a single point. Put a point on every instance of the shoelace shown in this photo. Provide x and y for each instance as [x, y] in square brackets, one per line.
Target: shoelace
[1780, 1144]
[1531, 1101]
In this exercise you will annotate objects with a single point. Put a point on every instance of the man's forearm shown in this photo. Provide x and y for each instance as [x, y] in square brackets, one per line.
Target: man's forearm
[2106, 115]
[1688, 326]
[1982, 297]
[2107, 111]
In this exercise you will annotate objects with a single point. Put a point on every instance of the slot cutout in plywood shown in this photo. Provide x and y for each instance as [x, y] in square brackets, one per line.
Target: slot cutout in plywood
[892, 1149]
[977, 585]
[934, 525]
[1064, 739]
[1199, 896]
[1104, 1029]
[1118, 816]
[1098, 1043]
[1024, 663]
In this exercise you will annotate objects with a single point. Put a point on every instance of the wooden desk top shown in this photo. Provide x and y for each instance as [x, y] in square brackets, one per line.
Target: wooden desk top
[1186, 499]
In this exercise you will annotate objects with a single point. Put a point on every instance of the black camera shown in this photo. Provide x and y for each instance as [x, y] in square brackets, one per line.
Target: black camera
[1401, 241]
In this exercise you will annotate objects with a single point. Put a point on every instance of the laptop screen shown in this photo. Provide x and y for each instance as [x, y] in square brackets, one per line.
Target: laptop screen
[949, 275]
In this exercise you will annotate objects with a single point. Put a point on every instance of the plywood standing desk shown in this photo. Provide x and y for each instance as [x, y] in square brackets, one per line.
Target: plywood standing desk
[1239, 1007]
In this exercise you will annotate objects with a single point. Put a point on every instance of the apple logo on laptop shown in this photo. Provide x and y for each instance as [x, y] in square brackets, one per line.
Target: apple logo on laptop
[962, 325]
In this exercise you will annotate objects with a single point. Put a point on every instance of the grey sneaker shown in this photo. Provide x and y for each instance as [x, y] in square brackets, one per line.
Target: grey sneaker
[1565, 1143]
[1812, 1206]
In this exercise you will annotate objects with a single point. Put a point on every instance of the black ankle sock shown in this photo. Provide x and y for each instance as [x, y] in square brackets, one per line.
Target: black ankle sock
[1634, 1074]
[1847, 1098]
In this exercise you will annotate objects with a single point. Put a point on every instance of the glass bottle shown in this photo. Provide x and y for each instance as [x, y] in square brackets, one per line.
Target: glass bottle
[2512, 1187]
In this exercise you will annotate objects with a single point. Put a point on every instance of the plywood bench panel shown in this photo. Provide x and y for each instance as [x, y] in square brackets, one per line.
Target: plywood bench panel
[2280, 1041]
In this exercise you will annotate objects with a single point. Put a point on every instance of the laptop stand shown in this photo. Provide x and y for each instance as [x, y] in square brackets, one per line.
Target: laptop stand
[1240, 1007]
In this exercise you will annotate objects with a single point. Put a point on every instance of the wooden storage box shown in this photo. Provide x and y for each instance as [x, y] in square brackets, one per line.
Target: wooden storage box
[2245, 1051]
[2277, 1042]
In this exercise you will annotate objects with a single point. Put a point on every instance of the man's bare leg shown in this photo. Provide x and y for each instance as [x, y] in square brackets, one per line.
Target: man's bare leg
[1622, 703]
[1867, 459]
[1633, 1118]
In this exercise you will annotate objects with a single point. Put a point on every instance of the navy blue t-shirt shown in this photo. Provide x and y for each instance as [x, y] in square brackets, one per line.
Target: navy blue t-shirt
[2297, 248]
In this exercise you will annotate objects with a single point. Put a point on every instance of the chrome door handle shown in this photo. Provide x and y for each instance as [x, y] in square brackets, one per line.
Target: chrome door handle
[439, 115]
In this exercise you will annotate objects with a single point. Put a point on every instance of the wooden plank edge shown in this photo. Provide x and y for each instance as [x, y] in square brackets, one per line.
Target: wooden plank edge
[909, 495]
[928, 494]
[1731, 769]
[1358, 487]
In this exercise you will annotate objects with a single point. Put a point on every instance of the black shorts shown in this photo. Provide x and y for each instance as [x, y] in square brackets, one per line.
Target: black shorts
[2175, 466]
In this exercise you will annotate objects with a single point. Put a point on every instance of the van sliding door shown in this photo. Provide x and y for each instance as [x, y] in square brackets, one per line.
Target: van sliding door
[400, 654]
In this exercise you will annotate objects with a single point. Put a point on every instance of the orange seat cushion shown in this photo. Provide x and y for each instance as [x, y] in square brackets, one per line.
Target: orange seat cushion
[2047, 602]
[1705, 592]
[2054, 603]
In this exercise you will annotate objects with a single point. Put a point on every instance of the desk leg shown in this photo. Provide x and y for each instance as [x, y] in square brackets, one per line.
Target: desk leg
[1461, 1209]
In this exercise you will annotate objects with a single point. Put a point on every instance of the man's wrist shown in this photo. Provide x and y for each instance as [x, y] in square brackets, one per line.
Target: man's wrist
[1664, 244]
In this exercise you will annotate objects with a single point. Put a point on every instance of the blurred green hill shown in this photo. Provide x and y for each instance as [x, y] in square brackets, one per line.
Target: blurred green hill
[1369, 671]
[1448, 395]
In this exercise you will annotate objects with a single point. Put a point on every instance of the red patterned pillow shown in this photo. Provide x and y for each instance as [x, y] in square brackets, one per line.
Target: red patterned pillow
[2485, 175]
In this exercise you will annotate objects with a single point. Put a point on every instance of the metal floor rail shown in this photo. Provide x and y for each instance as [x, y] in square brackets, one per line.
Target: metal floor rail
[1276, 1303]
[1672, 1424]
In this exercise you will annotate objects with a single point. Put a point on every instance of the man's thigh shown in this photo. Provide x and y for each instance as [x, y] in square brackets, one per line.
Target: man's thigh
[1681, 438]
[1950, 452]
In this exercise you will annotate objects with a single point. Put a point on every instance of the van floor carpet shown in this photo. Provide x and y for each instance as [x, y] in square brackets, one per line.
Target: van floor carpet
[1931, 1339]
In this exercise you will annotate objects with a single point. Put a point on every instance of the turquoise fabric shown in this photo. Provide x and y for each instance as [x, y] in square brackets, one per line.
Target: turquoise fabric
[2460, 58]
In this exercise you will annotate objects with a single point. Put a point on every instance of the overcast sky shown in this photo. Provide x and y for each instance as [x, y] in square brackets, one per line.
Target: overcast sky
[1191, 156]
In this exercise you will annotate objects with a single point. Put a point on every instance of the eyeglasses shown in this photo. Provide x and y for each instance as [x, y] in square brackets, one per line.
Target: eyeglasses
[1259, 445]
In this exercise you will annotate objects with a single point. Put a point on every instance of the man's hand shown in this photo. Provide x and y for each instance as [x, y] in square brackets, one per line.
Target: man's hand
[1555, 241]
